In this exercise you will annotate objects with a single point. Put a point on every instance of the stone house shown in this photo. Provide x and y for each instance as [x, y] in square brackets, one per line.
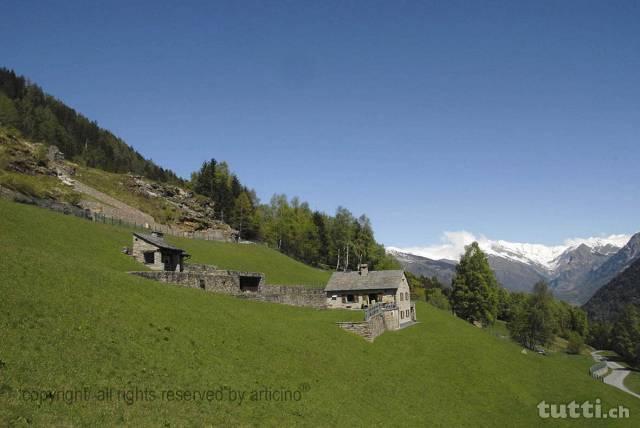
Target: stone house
[154, 252]
[364, 289]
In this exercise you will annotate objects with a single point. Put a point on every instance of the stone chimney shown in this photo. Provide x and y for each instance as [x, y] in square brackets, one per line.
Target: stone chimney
[363, 269]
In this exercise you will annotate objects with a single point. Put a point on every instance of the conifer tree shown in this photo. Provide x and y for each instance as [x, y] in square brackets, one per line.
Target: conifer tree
[475, 288]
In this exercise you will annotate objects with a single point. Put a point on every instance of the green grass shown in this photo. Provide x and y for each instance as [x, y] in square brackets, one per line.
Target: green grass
[498, 329]
[632, 381]
[70, 317]
[278, 268]
[39, 186]
[115, 186]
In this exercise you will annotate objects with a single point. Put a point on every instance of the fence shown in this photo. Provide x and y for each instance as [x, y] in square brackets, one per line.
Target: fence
[100, 218]
[378, 308]
[598, 370]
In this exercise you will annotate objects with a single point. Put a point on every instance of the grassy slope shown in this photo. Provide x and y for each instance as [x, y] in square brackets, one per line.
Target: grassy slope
[632, 381]
[71, 317]
[113, 185]
[279, 269]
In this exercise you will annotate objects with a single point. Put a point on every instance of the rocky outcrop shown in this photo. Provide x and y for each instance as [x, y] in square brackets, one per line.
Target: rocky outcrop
[197, 213]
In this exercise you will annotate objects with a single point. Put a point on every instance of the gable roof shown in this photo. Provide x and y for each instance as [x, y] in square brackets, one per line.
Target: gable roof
[373, 280]
[158, 242]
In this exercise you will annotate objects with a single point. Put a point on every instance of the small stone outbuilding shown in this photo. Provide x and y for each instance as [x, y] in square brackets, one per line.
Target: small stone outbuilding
[154, 252]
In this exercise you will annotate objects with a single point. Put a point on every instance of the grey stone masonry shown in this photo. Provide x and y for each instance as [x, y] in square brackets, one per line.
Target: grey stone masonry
[293, 295]
[249, 285]
[369, 329]
[220, 281]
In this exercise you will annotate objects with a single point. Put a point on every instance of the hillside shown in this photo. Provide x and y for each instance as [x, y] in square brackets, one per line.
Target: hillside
[41, 176]
[610, 300]
[71, 317]
[43, 118]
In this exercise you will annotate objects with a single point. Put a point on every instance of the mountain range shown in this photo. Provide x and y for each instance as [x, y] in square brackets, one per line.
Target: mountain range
[609, 301]
[574, 271]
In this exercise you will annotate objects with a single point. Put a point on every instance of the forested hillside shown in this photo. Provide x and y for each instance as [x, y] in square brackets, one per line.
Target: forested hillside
[42, 118]
[289, 225]
[341, 241]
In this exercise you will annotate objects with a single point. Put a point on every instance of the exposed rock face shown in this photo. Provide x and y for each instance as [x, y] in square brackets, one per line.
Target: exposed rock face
[443, 270]
[615, 265]
[24, 158]
[197, 212]
[514, 275]
[574, 270]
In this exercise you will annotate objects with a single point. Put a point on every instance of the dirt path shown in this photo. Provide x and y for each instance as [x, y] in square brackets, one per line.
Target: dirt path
[617, 375]
[107, 205]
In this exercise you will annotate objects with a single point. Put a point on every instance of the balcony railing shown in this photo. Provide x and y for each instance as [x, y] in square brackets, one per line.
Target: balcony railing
[378, 308]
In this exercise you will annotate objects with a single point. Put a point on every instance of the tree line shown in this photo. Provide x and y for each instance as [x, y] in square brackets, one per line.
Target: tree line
[339, 242]
[40, 117]
[621, 335]
[533, 320]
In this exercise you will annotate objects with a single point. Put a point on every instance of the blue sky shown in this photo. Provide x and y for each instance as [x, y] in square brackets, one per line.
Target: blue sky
[514, 120]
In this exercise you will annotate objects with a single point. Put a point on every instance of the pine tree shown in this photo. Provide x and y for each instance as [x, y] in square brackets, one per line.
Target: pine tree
[475, 288]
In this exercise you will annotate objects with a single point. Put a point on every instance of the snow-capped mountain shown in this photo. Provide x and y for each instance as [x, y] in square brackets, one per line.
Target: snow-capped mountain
[550, 257]
[519, 265]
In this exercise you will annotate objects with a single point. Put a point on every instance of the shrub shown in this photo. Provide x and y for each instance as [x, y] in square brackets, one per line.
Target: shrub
[73, 198]
[438, 299]
[576, 343]
[41, 155]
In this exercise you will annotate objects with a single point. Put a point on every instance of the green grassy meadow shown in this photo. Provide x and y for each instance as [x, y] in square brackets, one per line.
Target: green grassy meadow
[632, 381]
[279, 268]
[72, 318]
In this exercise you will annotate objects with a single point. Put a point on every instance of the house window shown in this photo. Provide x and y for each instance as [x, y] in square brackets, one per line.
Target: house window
[406, 295]
[351, 298]
[149, 257]
[401, 297]
[334, 297]
[401, 315]
[407, 313]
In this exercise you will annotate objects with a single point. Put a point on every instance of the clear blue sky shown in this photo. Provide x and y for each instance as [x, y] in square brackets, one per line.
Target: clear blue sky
[516, 120]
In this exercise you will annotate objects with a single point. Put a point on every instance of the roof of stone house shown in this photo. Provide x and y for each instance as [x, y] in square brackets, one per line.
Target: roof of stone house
[373, 280]
[158, 242]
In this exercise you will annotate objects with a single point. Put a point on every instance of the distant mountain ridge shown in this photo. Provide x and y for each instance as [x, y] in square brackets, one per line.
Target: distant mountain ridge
[574, 271]
[609, 301]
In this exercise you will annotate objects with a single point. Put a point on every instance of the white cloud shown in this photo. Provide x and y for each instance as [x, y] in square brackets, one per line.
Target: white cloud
[452, 246]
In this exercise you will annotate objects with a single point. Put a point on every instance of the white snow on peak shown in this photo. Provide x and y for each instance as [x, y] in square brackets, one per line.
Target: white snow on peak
[545, 256]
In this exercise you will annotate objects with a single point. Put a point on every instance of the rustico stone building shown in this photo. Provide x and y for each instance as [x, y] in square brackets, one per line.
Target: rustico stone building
[155, 253]
[383, 295]
[364, 289]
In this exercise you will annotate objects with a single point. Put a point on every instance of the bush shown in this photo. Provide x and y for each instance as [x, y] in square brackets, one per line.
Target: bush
[73, 198]
[41, 155]
[438, 299]
[576, 343]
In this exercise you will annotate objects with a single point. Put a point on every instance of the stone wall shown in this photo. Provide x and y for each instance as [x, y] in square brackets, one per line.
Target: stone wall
[228, 282]
[192, 267]
[221, 281]
[293, 295]
[370, 329]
